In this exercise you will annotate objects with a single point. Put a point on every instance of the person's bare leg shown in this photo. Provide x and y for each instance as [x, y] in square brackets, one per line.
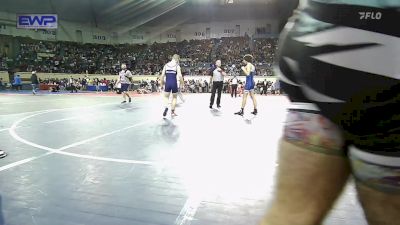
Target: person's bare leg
[244, 100]
[307, 185]
[174, 99]
[253, 97]
[380, 208]
[377, 185]
[129, 97]
[166, 99]
[166, 103]
[311, 174]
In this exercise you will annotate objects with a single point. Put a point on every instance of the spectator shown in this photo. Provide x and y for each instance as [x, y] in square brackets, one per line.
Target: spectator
[72, 85]
[34, 82]
[17, 82]
[265, 87]
[234, 86]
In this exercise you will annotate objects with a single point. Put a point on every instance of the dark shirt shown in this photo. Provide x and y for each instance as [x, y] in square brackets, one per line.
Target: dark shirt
[34, 79]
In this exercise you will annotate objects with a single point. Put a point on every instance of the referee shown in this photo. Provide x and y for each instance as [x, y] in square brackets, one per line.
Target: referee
[217, 81]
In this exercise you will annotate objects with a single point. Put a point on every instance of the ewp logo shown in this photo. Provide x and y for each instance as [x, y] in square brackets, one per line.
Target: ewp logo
[37, 21]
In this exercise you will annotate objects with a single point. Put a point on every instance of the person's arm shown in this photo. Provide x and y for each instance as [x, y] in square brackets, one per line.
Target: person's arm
[129, 75]
[246, 69]
[179, 73]
[162, 77]
[222, 72]
[118, 80]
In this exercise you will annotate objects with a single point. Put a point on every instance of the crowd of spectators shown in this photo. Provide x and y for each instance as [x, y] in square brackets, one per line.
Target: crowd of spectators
[200, 85]
[76, 84]
[230, 49]
[203, 86]
[150, 86]
[3, 62]
[143, 59]
[72, 84]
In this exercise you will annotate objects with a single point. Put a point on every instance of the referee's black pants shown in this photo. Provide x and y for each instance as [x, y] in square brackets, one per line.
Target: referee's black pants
[217, 86]
[234, 90]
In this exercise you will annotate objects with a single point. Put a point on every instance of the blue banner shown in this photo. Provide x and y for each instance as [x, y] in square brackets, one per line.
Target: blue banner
[37, 21]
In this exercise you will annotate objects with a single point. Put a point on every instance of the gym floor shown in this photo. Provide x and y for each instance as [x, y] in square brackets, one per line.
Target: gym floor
[77, 159]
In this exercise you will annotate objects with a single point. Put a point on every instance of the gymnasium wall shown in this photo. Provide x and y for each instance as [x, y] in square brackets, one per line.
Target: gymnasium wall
[87, 33]
[199, 31]
[66, 31]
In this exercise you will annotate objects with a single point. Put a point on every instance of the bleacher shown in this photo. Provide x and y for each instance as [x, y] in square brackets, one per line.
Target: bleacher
[76, 58]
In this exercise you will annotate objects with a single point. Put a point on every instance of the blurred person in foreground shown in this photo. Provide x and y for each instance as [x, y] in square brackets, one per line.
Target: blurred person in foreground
[338, 63]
